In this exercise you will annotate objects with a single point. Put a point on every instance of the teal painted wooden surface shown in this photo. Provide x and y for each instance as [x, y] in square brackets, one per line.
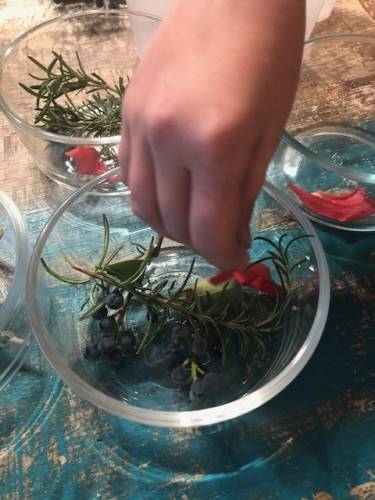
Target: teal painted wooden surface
[315, 440]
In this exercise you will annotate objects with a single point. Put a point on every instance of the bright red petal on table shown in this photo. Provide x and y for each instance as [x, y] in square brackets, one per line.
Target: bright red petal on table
[255, 276]
[341, 207]
[87, 160]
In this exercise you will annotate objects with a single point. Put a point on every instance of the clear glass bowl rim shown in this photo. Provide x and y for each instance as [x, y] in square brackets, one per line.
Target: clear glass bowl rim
[194, 418]
[17, 288]
[23, 126]
[304, 150]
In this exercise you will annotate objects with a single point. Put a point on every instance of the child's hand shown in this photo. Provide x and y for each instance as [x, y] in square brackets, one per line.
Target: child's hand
[203, 117]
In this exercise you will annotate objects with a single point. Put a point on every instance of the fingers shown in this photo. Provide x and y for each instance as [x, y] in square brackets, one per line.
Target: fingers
[141, 181]
[173, 193]
[253, 181]
[124, 154]
[214, 214]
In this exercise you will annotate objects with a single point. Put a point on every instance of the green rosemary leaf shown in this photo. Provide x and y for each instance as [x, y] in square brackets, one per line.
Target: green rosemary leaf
[92, 310]
[281, 240]
[51, 66]
[145, 261]
[92, 290]
[28, 90]
[65, 67]
[38, 63]
[299, 237]
[60, 277]
[160, 286]
[186, 280]
[146, 336]
[39, 78]
[141, 249]
[112, 256]
[268, 241]
[105, 241]
[83, 72]
[276, 258]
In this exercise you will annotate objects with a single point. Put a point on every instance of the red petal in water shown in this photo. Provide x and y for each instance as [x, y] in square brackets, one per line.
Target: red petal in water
[87, 160]
[255, 276]
[341, 207]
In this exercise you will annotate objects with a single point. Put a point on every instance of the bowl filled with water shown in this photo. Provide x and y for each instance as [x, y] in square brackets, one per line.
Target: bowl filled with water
[328, 148]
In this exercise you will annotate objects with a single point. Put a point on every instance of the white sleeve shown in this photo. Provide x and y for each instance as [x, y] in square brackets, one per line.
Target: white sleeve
[316, 10]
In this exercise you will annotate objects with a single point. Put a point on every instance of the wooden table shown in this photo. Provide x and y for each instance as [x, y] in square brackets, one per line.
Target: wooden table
[314, 441]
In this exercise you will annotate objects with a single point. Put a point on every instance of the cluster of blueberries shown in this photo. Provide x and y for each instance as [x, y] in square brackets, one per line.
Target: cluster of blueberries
[113, 348]
[202, 351]
[105, 345]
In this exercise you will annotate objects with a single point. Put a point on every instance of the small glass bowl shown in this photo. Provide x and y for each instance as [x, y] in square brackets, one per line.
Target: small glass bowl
[329, 143]
[14, 255]
[138, 391]
[105, 44]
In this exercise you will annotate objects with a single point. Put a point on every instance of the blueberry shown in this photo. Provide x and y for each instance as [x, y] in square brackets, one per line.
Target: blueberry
[197, 391]
[210, 380]
[172, 360]
[115, 357]
[100, 313]
[181, 376]
[114, 300]
[203, 359]
[57, 1]
[107, 324]
[180, 334]
[91, 352]
[99, 3]
[128, 341]
[106, 345]
[199, 346]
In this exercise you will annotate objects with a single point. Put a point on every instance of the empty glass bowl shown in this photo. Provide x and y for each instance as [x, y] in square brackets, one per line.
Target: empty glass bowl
[105, 45]
[329, 143]
[14, 335]
[139, 388]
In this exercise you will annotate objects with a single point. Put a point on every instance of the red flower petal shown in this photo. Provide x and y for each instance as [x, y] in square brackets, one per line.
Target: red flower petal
[259, 276]
[342, 207]
[221, 277]
[87, 160]
[337, 198]
[256, 276]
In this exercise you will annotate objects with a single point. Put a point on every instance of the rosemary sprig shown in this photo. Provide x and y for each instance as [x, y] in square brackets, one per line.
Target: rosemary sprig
[97, 115]
[203, 313]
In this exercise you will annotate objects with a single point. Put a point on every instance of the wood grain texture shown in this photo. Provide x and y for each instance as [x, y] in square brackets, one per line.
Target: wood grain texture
[316, 440]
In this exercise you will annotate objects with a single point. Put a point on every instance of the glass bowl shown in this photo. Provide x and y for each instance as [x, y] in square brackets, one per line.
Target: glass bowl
[329, 143]
[139, 389]
[14, 335]
[105, 44]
